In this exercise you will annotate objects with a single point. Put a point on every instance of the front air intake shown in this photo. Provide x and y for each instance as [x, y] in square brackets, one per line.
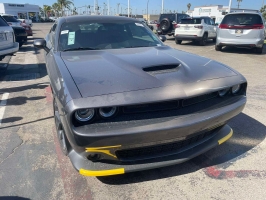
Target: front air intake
[161, 69]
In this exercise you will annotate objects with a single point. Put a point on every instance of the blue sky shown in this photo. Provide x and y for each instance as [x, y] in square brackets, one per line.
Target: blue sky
[140, 6]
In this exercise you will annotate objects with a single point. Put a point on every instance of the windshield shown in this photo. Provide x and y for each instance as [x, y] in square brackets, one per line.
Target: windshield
[242, 19]
[113, 35]
[191, 21]
[10, 18]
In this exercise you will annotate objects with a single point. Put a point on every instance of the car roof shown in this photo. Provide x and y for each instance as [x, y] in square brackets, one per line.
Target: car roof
[95, 17]
[235, 13]
[7, 15]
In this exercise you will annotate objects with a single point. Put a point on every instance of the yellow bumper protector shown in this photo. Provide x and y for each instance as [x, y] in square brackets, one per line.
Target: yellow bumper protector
[226, 137]
[105, 150]
[102, 172]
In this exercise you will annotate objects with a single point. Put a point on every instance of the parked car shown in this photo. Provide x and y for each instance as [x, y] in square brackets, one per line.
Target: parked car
[20, 35]
[168, 22]
[146, 23]
[195, 29]
[8, 45]
[241, 30]
[26, 21]
[11, 20]
[127, 102]
[27, 29]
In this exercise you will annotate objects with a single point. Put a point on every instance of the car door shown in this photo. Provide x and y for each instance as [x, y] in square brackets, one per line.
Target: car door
[6, 35]
[207, 27]
[213, 28]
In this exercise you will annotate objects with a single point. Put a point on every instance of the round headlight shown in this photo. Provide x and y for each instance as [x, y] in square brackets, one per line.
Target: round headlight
[84, 115]
[223, 92]
[235, 89]
[107, 112]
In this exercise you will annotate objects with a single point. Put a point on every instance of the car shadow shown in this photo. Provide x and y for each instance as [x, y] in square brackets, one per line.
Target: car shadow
[13, 198]
[248, 133]
[242, 50]
[11, 119]
[16, 101]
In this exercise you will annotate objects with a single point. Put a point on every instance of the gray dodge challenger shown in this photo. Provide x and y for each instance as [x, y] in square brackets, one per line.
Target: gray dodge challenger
[124, 101]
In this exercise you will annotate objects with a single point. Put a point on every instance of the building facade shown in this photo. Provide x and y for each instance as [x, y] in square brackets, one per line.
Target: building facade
[216, 12]
[22, 11]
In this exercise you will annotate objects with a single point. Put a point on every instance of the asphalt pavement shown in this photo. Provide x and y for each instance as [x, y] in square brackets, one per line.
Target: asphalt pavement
[33, 167]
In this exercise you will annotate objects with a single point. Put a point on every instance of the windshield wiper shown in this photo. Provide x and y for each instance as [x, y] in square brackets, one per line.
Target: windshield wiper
[80, 49]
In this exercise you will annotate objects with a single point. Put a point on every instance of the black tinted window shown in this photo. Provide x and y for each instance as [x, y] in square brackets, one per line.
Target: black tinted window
[171, 17]
[242, 19]
[3, 22]
[180, 17]
[191, 21]
[10, 18]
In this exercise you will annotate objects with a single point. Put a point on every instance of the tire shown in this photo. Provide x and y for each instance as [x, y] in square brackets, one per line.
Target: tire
[259, 50]
[165, 25]
[63, 141]
[218, 48]
[20, 44]
[178, 41]
[204, 39]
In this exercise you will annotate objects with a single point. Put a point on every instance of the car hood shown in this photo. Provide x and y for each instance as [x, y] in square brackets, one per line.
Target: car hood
[122, 70]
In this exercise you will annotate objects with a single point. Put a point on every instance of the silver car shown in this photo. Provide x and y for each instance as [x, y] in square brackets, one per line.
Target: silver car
[8, 45]
[241, 30]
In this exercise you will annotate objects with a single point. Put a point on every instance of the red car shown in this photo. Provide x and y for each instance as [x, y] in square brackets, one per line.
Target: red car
[27, 28]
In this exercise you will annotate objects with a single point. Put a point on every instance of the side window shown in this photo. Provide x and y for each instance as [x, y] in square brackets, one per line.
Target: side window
[207, 21]
[52, 33]
[3, 22]
[212, 22]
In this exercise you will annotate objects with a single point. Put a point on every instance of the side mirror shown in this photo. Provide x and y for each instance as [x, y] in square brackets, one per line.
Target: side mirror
[162, 38]
[216, 24]
[41, 44]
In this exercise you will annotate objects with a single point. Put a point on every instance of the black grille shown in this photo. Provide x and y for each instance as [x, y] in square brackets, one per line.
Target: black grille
[194, 100]
[143, 153]
[167, 105]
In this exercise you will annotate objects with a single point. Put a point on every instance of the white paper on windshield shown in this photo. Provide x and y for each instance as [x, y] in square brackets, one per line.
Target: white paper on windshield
[64, 32]
[139, 24]
[71, 38]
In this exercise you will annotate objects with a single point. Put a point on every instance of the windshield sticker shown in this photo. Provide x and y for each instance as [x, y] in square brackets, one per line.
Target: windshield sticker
[64, 32]
[71, 38]
[159, 45]
[139, 24]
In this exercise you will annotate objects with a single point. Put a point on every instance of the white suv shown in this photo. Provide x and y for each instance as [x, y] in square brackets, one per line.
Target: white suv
[8, 45]
[195, 29]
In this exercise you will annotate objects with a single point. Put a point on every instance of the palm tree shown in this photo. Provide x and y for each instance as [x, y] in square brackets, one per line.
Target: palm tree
[188, 6]
[56, 9]
[46, 9]
[65, 4]
[238, 3]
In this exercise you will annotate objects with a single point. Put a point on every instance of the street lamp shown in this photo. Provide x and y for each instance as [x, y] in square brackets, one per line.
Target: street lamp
[147, 10]
[128, 6]
[230, 4]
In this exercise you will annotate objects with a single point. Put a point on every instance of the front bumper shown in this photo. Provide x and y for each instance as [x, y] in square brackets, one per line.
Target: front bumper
[10, 50]
[108, 141]
[104, 169]
[246, 43]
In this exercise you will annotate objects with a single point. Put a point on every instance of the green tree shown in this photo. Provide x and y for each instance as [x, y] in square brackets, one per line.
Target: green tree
[238, 3]
[56, 9]
[263, 11]
[46, 9]
[65, 4]
[188, 6]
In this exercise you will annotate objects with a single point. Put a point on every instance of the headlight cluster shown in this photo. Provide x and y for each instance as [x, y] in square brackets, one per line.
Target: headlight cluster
[234, 90]
[86, 115]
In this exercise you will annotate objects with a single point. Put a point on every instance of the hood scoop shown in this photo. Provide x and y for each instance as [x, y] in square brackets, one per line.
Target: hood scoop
[162, 69]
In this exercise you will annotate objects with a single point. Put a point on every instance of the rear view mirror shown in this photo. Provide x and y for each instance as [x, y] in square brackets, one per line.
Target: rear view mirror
[162, 38]
[41, 44]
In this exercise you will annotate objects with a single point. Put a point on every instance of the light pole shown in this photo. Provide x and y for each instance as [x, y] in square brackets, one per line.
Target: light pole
[230, 4]
[108, 7]
[128, 5]
[147, 10]
[162, 6]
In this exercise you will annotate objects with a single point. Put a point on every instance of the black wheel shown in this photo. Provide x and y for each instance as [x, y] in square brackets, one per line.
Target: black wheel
[214, 39]
[259, 50]
[218, 48]
[20, 44]
[165, 25]
[63, 141]
[204, 39]
[178, 41]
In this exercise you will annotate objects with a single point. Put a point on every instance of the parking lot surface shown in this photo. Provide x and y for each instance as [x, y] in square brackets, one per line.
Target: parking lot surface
[32, 165]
